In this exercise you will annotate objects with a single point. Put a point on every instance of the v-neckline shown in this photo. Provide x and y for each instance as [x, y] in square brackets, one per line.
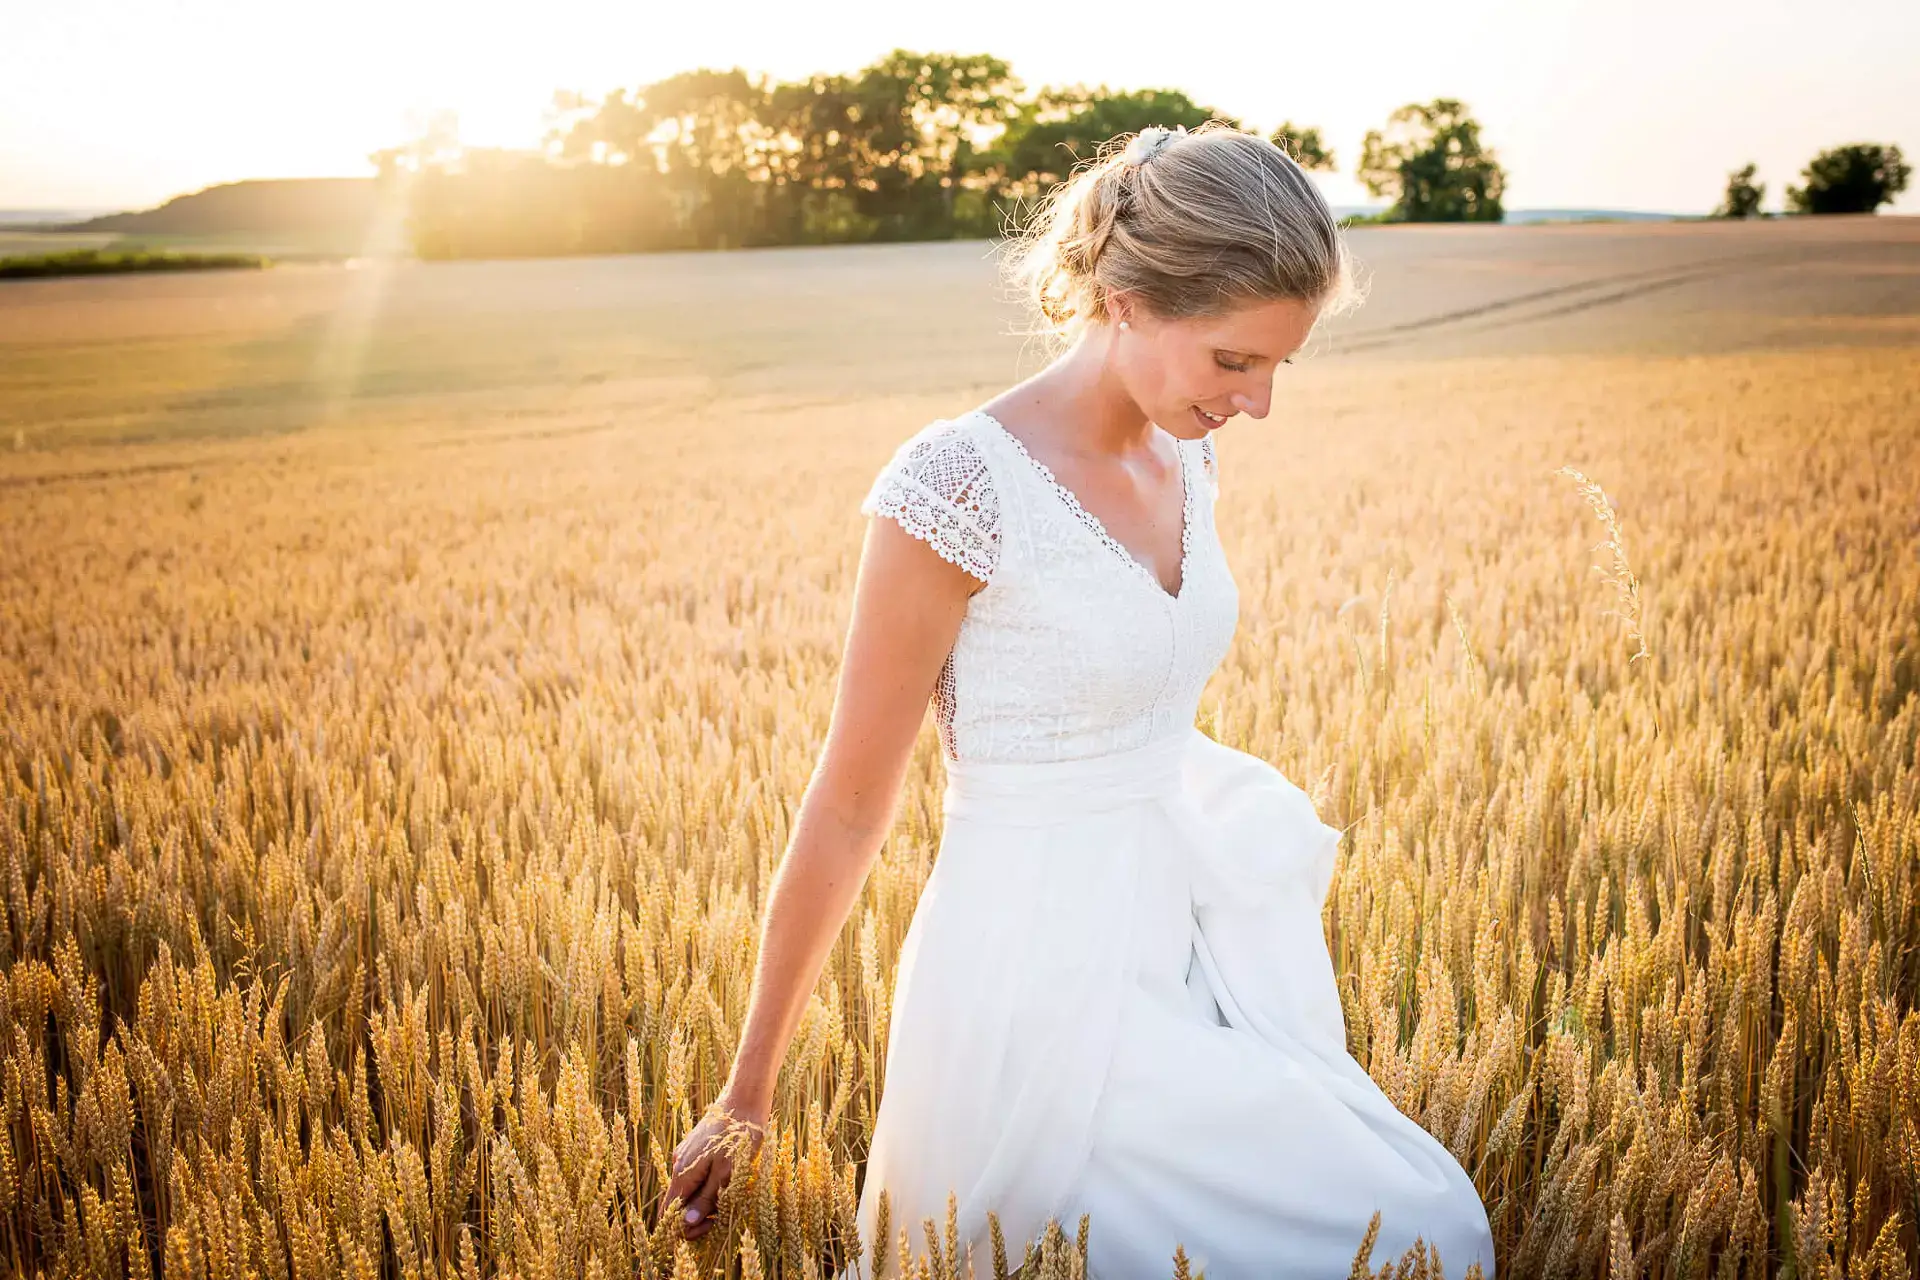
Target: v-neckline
[1095, 526]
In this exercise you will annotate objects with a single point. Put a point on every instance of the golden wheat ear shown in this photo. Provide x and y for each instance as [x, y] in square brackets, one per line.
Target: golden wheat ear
[1362, 1268]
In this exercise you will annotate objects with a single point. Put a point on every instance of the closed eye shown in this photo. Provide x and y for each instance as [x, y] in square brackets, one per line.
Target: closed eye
[1241, 368]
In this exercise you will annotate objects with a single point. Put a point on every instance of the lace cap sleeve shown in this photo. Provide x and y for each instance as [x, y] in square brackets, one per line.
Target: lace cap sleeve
[937, 487]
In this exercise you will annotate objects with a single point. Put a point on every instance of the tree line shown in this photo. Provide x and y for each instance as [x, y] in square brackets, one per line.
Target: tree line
[1856, 178]
[917, 146]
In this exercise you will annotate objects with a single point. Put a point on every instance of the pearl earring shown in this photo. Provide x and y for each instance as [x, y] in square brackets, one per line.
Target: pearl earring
[1125, 325]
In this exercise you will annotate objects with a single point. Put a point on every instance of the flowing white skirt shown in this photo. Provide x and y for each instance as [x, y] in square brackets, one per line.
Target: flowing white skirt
[1115, 998]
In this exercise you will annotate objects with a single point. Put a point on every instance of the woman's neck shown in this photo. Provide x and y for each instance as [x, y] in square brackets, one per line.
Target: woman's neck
[1081, 403]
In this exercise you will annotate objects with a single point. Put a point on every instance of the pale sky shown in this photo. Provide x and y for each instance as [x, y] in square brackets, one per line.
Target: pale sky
[1629, 104]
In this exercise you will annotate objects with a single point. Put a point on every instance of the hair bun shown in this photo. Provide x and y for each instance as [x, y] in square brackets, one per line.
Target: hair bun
[1149, 142]
[1232, 219]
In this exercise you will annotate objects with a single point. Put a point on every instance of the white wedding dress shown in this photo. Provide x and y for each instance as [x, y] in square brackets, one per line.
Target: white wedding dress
[1115, 995]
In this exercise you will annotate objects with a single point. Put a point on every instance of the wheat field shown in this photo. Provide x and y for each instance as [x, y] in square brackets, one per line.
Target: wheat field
[408, 676]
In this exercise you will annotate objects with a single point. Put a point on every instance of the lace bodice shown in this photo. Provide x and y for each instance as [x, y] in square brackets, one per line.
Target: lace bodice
[1073, 648]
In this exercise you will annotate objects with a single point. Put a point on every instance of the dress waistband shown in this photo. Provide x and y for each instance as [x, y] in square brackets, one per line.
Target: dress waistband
[1035, 793]
[1248, 831]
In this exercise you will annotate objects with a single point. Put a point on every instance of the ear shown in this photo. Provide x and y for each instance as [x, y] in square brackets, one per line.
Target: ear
[1119, 306]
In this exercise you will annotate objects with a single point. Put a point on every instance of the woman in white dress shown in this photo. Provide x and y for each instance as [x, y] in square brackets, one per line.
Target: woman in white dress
[1115, 995]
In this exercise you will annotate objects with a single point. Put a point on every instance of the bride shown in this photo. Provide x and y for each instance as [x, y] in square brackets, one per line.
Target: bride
[1115, 996]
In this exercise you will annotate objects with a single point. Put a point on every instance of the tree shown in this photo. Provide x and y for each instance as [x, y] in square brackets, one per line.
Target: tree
[1048, 136]
[921, 120]
[1305, 145]
[437, 147]
[697, 135]
[1432, 164]
[892, 151]
[1743, 195]
[1858, 178]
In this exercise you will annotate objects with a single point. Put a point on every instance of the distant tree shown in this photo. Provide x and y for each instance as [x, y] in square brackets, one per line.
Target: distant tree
[889, 152]
[699, 135]
[437, 147]
[1743, 195]
[1305, 145]
[1061, 127]
[1429, 160]
[892, 151]
[1853, 179]
[816, 173]
[922, 118]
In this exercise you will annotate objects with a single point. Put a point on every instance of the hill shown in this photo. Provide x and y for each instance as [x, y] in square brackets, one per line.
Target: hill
[255, 205]
[320, 215]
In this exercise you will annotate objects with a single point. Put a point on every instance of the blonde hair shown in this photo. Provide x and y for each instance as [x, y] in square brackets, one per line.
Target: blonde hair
[1193, 224]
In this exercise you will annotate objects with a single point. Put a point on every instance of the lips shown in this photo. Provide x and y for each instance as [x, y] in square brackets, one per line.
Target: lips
[1206, 419]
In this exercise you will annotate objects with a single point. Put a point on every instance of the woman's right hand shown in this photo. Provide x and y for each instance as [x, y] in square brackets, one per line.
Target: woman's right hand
[908, 604]
[703, 1163]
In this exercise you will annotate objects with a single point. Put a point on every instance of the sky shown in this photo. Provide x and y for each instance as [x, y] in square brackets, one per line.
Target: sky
[1626, 104]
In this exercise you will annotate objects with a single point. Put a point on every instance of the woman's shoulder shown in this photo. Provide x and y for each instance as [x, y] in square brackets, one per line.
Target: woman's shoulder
[947, 453]
[939, 486]
[961, 434]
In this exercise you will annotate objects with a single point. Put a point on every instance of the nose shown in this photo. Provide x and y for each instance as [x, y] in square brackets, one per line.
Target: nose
[1254, 406]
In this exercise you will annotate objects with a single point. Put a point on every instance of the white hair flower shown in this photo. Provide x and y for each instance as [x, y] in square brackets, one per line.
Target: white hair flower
[1149, 142]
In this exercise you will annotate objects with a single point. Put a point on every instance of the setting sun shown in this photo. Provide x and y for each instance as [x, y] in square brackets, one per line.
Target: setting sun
[1639, 106]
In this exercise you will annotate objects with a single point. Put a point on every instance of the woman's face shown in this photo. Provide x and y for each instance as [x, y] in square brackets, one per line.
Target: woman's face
[1179, 371]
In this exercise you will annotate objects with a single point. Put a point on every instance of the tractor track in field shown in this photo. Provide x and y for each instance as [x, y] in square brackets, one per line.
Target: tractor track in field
[1570, 298]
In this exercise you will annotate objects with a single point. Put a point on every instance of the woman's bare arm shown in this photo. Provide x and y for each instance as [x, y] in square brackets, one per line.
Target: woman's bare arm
[907, 608]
